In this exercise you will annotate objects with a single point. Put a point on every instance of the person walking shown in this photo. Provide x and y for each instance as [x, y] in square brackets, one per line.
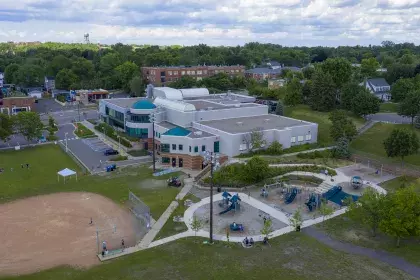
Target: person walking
[91, 221]
[122, 244]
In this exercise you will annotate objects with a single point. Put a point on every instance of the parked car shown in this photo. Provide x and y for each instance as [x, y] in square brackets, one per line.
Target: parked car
[110, 152]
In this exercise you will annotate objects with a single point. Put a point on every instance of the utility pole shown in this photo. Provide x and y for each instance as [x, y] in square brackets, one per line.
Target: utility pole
[78, 109]
[212, 158]
[153, 119]
[65, 134]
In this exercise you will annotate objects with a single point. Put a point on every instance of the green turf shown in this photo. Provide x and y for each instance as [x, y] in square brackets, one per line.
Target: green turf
[401, 181]
[388, 108]
[370, 143]
[342, 228]
[290, 257]
[41, 178]
[303, 112]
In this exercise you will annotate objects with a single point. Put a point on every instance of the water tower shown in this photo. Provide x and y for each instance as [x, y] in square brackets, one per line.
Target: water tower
[86, 38]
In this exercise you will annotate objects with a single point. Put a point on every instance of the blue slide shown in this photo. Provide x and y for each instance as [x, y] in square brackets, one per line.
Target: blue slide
[231, 207]
[291, 196]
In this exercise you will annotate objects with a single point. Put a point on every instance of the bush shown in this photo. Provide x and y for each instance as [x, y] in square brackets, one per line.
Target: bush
[275, 149]
[316, 154]
[118, 158]
[61, 98]
[110, 132]
[51, 137]
[138, 153]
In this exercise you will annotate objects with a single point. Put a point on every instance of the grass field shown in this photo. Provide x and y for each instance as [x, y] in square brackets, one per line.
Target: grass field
[303, 112]
[344, 229]
[41, 178]
[396, 183]
[290, 257]
[371, 142]
[388, 108]
[330, 162]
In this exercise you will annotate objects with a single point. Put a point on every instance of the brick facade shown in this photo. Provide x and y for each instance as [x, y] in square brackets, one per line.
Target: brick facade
[161, 76]
[188, 161]
[16, 102]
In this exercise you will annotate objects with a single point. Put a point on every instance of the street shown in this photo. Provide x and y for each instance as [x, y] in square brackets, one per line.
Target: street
[389, 117]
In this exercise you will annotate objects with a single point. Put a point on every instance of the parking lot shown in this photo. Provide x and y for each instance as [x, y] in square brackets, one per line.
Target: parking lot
[96, 144]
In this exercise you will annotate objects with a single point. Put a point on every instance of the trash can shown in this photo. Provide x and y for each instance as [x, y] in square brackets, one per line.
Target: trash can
[219, 189]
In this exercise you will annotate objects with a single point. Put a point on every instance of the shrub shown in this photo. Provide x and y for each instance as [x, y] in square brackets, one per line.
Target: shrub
[110, 132]
[83, 132]
[316, 154]
[118, 158]
[61, 98]
[51, 137]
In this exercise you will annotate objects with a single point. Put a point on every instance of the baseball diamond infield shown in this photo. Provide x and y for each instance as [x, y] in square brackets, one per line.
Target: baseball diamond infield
[51, 230]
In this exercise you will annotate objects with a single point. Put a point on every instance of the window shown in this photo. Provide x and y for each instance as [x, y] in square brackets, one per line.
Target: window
[175, 73]
[188, 72]
[162, 73]
[300, 138]
[190, 149]
[216, 147]
[140, 118]
[165, 160]
[158, 135]
[205, 72]
[203, 148]
[170, 73]
[308, 137]
[180, 147]
[183, 73]
[164, 148]
[293, 139]
[192, 72]
[199, 72]
[196, 149]
[242, 147]
[174, 147]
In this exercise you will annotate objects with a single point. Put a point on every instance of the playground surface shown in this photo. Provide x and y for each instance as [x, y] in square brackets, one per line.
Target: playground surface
[45, 231]
[250, 217]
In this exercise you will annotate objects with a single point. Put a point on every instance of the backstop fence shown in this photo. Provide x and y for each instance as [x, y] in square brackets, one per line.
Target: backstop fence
[140, 210]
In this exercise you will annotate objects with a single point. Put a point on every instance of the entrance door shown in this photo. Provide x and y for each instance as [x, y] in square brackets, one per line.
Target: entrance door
[146, 146]
[180, 162]
[173, 162]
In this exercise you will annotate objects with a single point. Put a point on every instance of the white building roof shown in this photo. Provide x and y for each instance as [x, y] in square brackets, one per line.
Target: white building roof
[174, 104]
[168, 93]
[194, 92]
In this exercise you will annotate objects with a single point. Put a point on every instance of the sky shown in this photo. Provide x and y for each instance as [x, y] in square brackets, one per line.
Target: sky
[220, 22]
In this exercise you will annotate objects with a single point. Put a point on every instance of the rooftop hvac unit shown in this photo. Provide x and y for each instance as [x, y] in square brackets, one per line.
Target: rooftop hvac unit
[240, 123]
[267, 120]
[198, 133]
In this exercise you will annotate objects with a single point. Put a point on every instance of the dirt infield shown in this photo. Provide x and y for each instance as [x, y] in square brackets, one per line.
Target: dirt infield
[51, 230]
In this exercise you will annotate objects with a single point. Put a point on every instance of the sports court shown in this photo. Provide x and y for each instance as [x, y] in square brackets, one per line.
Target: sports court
[96, 144]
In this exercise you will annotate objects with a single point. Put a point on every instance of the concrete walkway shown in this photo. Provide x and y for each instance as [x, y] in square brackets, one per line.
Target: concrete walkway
[379, 255]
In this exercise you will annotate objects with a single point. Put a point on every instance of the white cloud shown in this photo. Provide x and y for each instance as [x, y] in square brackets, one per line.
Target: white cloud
[288, 22]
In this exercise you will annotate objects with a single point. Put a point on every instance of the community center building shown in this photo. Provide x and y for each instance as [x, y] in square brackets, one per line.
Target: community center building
[188, 122]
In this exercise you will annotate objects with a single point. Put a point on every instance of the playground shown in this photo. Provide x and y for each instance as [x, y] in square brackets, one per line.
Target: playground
[245, 220]
[45, 231]
[370, 174]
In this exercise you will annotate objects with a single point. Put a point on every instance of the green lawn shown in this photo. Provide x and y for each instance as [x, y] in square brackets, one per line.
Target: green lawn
[398, 182]
[83, 132]
[290, 257]
[41, 178]
[388, 108]
[370, 143]
[330, 162]
[303, 112]
[344, 229]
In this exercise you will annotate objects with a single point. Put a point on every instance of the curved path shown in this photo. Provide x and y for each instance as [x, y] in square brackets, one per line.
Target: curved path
[379, 255]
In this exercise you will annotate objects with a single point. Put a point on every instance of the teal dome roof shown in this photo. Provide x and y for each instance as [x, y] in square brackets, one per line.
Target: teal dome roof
[143, 105]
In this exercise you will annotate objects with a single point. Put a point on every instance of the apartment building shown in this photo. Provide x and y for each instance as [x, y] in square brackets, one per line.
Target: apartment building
[161, 76]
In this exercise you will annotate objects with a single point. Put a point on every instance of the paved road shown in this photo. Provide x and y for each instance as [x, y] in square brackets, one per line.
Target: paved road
[66, 117]
[389, 117]
[383, 256]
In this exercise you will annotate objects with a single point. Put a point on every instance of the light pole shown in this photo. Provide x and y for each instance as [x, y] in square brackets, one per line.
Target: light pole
[119, 142]
[212, 159]
[152, 118]
[65, 134]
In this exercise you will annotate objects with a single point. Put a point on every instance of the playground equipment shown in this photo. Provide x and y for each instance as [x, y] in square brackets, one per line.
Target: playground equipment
[225, 200]
[264, 192]
[236, 227]
[174, 181]
[289, 197]
[234, 204]
[311, 203]
[336, 195]
[331, 192]
[356, 182]
[42, 139]
[111, 167]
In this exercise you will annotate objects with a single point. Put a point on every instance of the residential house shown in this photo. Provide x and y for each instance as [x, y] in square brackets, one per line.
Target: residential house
[271, 70]
[276, 83]
[379, 87]
[49, 83]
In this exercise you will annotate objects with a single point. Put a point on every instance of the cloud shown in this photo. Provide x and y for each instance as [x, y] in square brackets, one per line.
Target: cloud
[229, 22]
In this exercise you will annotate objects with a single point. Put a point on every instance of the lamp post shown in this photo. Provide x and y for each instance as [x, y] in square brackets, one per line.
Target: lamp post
[152, 118]
[119, 143]
[212, 159]
[65, 135]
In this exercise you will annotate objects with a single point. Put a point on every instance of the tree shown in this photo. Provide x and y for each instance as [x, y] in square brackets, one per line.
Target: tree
[29, 75]
[275, 148]
[267, 228]
[65, 79]
[136, 86]
[6, 127]
[342, 126]
[369, 67]
[279, 108]
[401, 143]
[342, 148]
[256, 169]
[293, 93]
[417, 123]
[397, 71]
[325, 209]
[196, 224]
[257, 140]
[184, 82]
[296, 220]
[125, 72]
[83, 68]
[368, 210]
[410, 106]
[323, 92]
[58, 63]
[108, 63]
[51, 122]
[29, 125]
[400, 88]
[308, 72]
[348, 93]
[10, 73]
[339, 69]
[365, 104]
[401, 214]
